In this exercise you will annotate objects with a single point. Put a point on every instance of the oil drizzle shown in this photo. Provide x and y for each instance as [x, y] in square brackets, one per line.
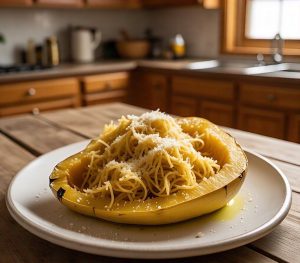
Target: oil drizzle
[228, 212]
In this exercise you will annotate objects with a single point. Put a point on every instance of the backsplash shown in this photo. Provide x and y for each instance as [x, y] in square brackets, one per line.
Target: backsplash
[18, 25]
[199, 27]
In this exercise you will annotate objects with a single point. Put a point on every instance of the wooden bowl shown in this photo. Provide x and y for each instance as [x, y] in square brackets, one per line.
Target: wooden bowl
[133, 48]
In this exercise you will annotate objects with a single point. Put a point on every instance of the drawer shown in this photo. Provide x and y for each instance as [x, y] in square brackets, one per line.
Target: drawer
[37, 107]
[184, 107]
[26, 92]
[105, 82]
[219, 113]
[203, 88]
[153, 80]
[102, 97]
[276, 97]
[266, 122]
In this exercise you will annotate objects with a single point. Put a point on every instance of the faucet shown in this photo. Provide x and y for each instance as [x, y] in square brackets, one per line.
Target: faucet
[276, 49]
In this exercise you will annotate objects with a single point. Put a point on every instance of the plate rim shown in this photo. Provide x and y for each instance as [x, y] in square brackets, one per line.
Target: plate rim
[157, 253]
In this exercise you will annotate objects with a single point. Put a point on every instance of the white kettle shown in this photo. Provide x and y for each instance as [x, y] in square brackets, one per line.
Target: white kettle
[84, 42]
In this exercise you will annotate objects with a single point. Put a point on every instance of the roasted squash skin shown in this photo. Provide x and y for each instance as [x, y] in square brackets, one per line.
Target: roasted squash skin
[212, 193]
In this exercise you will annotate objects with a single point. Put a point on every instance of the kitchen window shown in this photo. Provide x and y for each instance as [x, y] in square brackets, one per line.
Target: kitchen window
[251, 25]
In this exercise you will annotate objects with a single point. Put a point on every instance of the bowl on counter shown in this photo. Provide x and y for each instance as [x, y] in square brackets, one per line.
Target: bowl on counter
[133, 49]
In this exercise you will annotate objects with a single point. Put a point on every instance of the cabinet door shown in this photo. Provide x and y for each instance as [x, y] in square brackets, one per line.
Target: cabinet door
[158, 92]
[60, 3]
[15, 2]
[294, 128]
[219, 113]
[114, 3]
[150, 90]
[269, 123]
[184, 107]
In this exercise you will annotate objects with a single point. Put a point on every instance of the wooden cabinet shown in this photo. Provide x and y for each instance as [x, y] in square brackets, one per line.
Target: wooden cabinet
[277, 97]
[114, 3]
[219, 113]
[150, 90]
[59, 3]
[209, 4]
[294, 128]
[103, 88]
[265, 122]
[184, 107]
[34, 96]
[204, 88]
[270, 109]
[207, 98]
[15, 2]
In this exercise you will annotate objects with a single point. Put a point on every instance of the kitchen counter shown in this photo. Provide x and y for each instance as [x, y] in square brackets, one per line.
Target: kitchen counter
[186, 66]
[67, 70]
[26, 137]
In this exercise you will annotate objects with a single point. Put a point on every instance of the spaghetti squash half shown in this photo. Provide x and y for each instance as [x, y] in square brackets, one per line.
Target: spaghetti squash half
[152, 169]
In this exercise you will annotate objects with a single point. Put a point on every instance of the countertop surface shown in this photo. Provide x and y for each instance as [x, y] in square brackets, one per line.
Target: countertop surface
[66, 70]
[240, 69]
[25, 137]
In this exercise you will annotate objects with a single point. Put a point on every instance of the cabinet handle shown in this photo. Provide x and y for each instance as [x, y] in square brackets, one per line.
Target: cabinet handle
[35, 111]
[31, 92]
[271, 97]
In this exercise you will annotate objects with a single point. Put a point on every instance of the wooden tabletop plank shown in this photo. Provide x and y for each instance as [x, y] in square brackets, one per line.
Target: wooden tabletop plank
[13, 158]
[284, 241]
[36, 135]
[292, 173]
[89, 122]
[77, 122]
[277, 149]
[112, 111]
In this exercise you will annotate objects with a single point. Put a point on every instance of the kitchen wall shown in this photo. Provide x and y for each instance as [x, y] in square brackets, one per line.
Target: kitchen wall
[18, 25]
[199, 27]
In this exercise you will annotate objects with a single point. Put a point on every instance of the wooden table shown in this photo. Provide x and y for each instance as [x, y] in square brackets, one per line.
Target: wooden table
[25, 137]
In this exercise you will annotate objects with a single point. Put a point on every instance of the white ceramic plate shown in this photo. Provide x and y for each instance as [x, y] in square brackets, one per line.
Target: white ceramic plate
[262, 203]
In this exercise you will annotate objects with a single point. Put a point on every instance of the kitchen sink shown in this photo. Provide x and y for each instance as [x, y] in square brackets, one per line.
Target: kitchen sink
[222, 66]
[244, 67]
[292, 67]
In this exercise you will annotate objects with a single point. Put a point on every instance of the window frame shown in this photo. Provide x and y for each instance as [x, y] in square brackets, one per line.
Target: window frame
[234, 40]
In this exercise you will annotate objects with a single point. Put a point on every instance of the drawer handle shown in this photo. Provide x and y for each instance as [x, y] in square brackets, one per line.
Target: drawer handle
[35, 111]
[31, 92]
[271, 97]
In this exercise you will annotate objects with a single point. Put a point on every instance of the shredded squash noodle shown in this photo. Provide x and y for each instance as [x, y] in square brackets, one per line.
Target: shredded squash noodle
[146, 157]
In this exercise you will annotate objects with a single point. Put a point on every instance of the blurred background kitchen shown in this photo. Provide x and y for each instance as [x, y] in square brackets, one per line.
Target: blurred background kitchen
[233, 62]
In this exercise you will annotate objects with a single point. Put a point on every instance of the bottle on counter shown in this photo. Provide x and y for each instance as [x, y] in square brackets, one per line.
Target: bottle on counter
[178, 46]
[51, 56]
[30, 52]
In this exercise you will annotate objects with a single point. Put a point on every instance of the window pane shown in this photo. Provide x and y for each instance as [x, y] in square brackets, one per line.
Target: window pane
[262, 18]
[290, 26]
